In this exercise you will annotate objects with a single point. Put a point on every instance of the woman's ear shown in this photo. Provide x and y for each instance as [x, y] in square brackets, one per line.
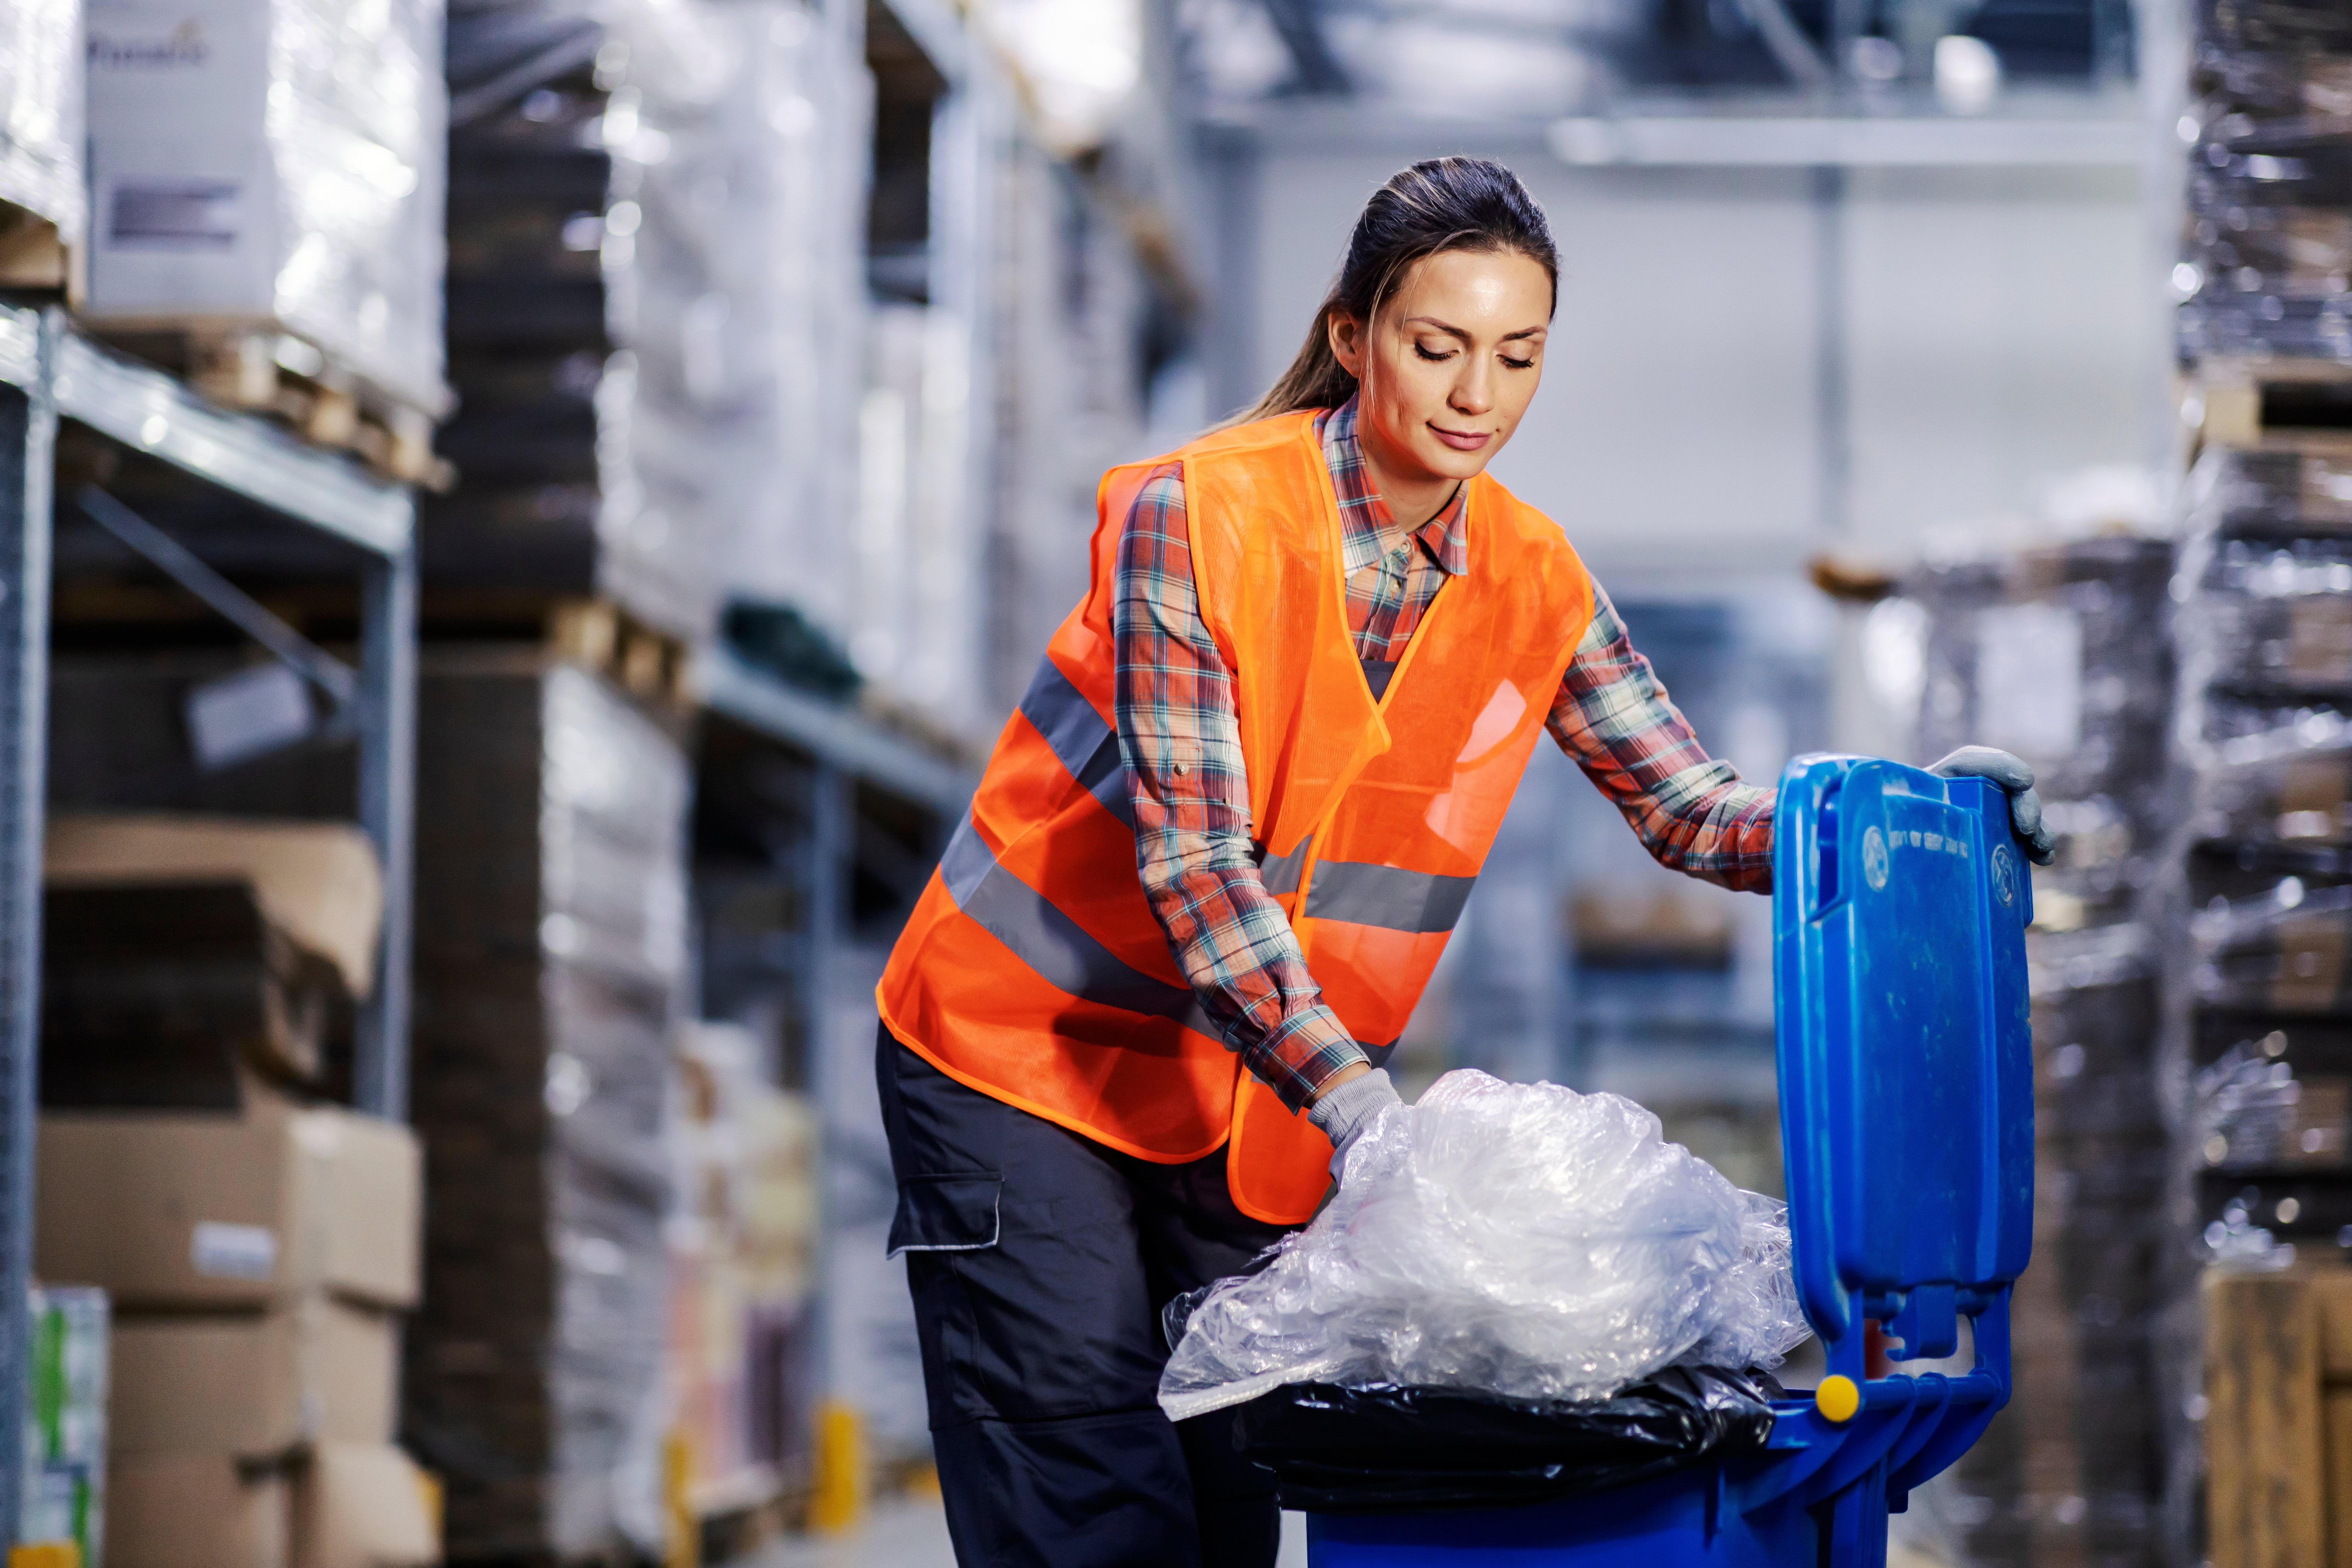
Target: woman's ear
[1347, 335]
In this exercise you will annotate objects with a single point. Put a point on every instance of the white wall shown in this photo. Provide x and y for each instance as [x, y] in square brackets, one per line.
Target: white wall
[1999, 326]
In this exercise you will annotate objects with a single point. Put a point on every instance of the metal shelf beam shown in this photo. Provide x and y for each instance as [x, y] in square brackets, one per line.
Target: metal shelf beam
[149, 411]
[1889, 141]
[837, 737]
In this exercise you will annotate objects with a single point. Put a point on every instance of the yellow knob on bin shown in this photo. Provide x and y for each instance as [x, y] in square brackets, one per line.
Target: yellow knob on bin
[1837, 1399]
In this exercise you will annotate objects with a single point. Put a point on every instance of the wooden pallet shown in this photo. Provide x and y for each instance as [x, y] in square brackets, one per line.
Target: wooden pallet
[261, 369]
[2278, 1417]
[641, 660]
[2290, 404]
[34, 256]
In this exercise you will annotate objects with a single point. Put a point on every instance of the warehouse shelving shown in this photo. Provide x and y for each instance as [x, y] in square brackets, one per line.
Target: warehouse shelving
[48, 373]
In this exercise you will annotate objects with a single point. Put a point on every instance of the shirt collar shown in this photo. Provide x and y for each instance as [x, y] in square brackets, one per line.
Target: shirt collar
[1368, 529]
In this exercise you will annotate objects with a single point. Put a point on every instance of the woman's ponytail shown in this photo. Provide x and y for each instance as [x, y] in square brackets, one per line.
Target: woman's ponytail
[1438, 204]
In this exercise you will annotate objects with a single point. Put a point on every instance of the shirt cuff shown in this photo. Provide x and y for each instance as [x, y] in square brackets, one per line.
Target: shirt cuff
[1298, 1056]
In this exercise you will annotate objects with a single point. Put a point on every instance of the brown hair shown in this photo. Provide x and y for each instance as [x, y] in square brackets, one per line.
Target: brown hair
[1438, 204]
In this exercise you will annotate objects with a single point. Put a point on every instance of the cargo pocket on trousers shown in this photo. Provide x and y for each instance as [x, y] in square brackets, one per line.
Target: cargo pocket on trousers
[946, 1213]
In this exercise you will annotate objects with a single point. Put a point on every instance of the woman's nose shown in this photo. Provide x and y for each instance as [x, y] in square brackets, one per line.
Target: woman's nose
[1470, 393]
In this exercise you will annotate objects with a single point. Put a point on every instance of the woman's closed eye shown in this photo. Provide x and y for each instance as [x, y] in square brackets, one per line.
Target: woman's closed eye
[1425, 351]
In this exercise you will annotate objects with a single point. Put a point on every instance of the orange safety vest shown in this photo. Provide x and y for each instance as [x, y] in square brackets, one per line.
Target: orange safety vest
[1032, 968]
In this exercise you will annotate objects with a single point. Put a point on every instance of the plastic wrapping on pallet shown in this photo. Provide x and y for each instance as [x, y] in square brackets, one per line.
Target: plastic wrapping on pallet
[615, 791]
[733, 267]
[551, 865]
[742, 1238]
[2072, 1475]
[2252, 494]
[2274, 617]
[2274, 26]
[2062, 655]
[1387, 1449]
[2281, 952]
[1516, 1239]
[41, 112]
[276, 163]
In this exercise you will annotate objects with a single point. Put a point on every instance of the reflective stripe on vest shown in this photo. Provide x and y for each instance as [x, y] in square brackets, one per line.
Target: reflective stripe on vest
[1050, 942]
[1086, 745]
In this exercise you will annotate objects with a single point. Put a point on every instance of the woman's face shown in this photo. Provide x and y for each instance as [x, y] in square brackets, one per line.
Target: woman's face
[1449, 366]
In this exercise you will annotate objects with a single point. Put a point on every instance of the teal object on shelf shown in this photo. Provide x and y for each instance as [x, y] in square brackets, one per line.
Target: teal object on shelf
[1906, 1127]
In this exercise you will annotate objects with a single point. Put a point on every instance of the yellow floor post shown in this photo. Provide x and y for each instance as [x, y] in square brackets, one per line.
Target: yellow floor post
[684, 1545]
[838, 1487]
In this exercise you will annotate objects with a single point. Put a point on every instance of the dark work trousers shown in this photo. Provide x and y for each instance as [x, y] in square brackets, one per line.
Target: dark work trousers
[1039, 1261]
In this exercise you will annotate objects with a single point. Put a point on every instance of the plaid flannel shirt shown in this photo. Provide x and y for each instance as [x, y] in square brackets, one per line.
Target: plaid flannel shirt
[1182, 748]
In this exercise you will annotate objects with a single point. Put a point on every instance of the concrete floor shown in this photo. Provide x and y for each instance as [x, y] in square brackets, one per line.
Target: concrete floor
[910, 1533]
[907, 1533]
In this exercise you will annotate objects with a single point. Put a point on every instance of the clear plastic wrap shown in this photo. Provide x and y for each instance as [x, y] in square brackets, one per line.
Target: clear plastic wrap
[1516, 1239]
[2284, 27]
[733, 269]
[40, 112]
[2283, 951]
[277, 164]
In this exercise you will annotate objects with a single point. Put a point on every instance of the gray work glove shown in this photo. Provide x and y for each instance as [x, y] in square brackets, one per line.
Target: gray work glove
[1346, 1113]
[2017, 781]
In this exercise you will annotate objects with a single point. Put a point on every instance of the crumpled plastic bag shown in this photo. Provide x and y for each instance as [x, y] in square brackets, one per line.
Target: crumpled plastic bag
[1522, 1240]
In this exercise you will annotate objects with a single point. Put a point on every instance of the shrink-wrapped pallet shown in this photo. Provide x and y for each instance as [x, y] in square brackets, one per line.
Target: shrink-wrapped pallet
[41, 112]
[2075, 1474]
[273, 164]
[550, 961]
[733, 267]
[2062, 655]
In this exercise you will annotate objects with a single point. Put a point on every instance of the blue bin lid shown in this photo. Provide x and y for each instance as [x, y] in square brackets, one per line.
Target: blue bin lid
[1906, 1054]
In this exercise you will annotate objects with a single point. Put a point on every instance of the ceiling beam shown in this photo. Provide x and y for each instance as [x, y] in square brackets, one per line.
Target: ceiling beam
[1301, 28]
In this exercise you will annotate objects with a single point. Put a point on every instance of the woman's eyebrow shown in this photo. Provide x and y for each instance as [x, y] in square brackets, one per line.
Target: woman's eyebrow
[1452, 331]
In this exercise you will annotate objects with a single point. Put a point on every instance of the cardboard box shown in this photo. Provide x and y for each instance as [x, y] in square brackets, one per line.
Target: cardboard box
[317, 881]
[196, 1510]
[365, 1505]
[274, 162]
[153, 994]
[196, 1210]
[255, 1383]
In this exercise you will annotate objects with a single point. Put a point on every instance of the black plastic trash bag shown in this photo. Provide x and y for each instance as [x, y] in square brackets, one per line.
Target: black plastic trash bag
[1387, 1449]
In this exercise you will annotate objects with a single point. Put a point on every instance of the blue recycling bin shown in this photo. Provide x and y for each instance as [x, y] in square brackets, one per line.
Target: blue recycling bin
[1907, 1126]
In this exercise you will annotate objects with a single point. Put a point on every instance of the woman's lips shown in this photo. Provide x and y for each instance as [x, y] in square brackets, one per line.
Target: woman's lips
[1462, 440]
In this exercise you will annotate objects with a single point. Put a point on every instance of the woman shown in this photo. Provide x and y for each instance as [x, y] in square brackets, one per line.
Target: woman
[1140, 1010]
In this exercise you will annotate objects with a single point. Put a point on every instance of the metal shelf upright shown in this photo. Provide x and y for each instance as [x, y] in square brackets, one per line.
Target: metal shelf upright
[49, 372]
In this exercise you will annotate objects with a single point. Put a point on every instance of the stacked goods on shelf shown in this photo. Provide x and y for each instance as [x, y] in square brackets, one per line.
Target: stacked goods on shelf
[2267, 677]
[2062, 655]
[527, 338]
[2269, 242]
[649, 263]
[1068, 276]
[741, 1252]
[732, 261]
[63, 1497]
[268, 186]
[551, 951]
[40, 142]
[258, 1261]
[179, 950]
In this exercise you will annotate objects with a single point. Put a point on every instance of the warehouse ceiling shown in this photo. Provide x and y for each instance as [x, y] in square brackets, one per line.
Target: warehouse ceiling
[1538, 58]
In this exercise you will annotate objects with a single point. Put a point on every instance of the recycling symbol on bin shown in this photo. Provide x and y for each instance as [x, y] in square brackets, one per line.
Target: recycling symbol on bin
[2004, 873]
[1874, 858]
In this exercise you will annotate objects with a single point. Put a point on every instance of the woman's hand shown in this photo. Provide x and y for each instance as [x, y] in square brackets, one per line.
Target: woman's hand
[2016, 781]
[1348, 1104]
